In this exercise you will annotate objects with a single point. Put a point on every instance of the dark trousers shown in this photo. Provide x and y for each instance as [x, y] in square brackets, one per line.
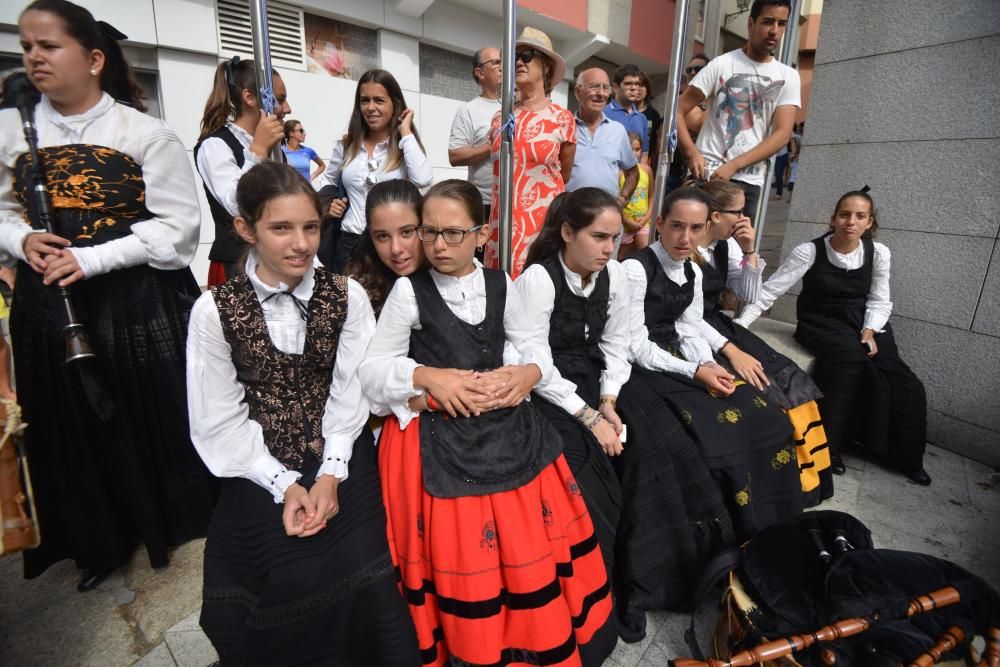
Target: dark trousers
[780, 165]
[346, 243]
[752, 194]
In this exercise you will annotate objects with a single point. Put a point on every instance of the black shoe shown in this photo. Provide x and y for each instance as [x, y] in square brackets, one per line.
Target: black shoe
[837, 466]
[632, 625]
[91, 579]
[918, 476]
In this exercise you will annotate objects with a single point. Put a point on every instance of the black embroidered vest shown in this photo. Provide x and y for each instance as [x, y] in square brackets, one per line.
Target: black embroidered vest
[286, 393]
[665, 300]
[498, 450]
[575, 331]
[227, 246]
[834, 295]
[97, 192]
[713, 278]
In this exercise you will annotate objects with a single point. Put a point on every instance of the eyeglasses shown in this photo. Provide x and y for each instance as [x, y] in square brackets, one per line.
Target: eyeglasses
[372, 177]
[733, 211]
[451, 236]
[598, 88]
[694, 69]
[527, 55]
[495, 62]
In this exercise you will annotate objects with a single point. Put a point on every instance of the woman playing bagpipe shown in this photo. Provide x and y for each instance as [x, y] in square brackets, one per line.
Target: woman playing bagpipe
[111, 469]
[487, 525]
[728, 259]
[870, 394]
[744, 438]
[297, 569]
[672, 518]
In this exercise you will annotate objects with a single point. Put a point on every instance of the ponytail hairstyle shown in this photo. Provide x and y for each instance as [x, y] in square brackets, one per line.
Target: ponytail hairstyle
[357, 129]
[862, 194]
[225, 102]
[720, 193]
[365, 266]
[289, 127]
[686, 193]
[578, 209]
[117, 78]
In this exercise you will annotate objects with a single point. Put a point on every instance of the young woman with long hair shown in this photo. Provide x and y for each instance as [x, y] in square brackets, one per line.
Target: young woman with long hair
[495, 549]
[381, 144]
[108, 475]
[297, 569]
[235, 135]
[672, 518]
[869, 394]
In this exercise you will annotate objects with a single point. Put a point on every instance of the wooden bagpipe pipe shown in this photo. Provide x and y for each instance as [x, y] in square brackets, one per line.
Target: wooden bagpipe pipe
[18, 525]
[780, 648]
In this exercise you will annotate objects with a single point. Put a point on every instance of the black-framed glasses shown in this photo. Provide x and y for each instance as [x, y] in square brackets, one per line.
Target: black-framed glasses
[694, 69]
[451, 236]
[527, 55]
[734, 211]
[495, 62]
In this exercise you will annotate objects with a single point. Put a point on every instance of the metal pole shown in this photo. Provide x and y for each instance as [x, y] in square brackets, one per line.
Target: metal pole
[506, 186]
[789, 44]
[669, 143]
[262, 62]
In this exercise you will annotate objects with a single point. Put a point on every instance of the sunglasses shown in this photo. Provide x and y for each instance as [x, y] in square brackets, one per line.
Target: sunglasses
[694, 69]
[527, 55]
[372, 177]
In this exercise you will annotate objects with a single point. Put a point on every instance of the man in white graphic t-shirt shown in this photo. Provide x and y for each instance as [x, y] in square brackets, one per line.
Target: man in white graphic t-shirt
[753, 98]
[469, 143]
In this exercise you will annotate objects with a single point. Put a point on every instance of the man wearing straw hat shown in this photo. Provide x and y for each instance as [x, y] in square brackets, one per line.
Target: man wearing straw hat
[544, 146]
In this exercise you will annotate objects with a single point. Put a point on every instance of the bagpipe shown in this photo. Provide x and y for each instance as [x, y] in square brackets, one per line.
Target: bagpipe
[18, 523]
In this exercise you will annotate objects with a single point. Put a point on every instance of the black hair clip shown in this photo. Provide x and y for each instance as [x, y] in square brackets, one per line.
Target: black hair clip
[865, 189]
[230, 65]
[111, 32]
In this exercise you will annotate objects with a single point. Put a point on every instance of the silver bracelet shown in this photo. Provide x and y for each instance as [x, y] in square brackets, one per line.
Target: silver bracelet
[588, 416]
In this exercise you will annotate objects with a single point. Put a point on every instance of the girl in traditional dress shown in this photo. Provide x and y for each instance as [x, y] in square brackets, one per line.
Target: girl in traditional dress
[108, 475]
[672, 516]
[870, 394]
[389, 246]
[236, 134]
[297, 569]
[727, 258]
[744, 437]
[496, 552]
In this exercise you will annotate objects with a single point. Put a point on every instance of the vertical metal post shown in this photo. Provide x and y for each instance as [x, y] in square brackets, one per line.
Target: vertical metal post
[262, 62]
[789, 45]
[668, 145]
[506, 185]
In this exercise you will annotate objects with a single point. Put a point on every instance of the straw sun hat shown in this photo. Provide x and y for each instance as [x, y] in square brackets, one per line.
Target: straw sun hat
[539, 41]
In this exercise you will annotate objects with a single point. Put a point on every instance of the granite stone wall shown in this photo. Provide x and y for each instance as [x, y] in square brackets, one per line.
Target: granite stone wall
[906, 99]
[446, 73]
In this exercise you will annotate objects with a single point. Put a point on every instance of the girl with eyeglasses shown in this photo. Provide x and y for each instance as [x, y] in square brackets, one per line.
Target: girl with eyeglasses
[870, 395]
[658, 515]
[487, 526]
[381, 144]
[725, 252]
[236, 134]
[389, 247]
[297, 568]
[544, 146]
[298, 154]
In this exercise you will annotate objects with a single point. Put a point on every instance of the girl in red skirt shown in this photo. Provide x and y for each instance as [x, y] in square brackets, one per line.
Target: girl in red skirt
[496, 552]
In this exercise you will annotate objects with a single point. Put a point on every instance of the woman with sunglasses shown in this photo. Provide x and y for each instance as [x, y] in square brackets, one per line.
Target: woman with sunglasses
[487, 525]
[381, 144]
[544, 147]
[298, 154]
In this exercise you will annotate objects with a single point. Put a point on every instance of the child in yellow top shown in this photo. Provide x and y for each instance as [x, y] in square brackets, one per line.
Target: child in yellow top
[636, 213]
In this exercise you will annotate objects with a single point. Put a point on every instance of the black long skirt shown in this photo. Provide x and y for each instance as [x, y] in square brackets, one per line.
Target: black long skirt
[795, 392]
[674, 518]
[329, 599]
[877, 401]
[744, 440]
[104, 487]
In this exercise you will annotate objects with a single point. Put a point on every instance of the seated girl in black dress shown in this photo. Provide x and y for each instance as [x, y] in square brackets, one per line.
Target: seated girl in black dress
[297, 569]
[672, 516]
[727, 258]
[494, 546]
[870, 395]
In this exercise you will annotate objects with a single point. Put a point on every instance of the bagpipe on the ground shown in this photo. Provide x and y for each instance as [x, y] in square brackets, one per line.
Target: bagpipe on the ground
[815, 592]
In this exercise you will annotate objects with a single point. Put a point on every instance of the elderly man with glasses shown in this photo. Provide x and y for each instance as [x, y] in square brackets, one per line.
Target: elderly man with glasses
[469, 143]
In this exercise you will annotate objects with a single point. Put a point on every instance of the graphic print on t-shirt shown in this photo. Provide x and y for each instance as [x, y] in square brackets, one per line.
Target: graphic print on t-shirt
[738, 102]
